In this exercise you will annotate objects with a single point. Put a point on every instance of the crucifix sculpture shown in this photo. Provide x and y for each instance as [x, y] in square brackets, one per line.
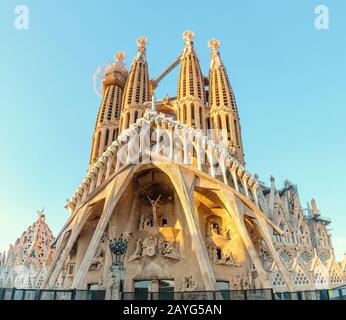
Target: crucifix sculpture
[154, 205]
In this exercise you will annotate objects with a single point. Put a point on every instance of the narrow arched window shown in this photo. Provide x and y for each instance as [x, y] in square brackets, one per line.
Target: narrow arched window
[207, 121]
[192, 111]
[106, 140]
[184, 114]
[236, 132]
[200, 118]
[97, 145]
[127, 120]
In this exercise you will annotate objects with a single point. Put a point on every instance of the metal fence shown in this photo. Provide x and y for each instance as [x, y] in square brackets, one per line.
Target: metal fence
[257, 294]
[35, 294]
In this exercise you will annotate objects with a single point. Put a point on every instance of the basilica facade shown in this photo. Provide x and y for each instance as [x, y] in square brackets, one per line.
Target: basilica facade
[167, 202]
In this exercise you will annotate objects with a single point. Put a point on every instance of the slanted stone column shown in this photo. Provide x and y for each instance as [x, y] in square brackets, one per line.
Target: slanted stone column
[185, 193]
[120, 184]
[229, 201]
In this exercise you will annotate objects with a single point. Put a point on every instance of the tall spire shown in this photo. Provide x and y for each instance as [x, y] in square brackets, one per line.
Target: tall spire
[191, 95]
[107, 122]
[137, 88]
[222, 104]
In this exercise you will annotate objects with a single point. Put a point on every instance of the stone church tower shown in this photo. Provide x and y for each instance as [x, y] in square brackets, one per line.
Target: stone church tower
[223, 108]
[190, 218]
[191, 100]
[107, 122]
[137, 89]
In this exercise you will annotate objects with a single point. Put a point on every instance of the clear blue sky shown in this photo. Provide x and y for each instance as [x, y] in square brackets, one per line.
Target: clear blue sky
[288, 78]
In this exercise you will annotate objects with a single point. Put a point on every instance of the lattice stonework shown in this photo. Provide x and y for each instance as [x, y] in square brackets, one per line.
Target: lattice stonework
[300, 278]
[319, 278]
[334, 277]
[39, 282]
[278, 280]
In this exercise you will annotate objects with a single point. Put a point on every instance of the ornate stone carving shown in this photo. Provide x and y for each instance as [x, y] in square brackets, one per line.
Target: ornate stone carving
[99, 257]
[151, 246]
[266, 257]
[114, 283]
[219, 256]
[120, 56]
[189, 284]
[147, 222]
[241, 282]
[227, 258]
[171, 250]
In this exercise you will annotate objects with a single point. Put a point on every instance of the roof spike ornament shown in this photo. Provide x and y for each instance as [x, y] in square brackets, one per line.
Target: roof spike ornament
[215, 56]
[119, 57]
[141, 43]
[188, 37]
[214, 45]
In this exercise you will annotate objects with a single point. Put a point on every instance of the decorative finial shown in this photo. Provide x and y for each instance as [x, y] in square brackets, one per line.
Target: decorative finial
[256, 176]
[188, 36]
[120, 56]
[141, 42]
[272, 179]
[215, 57]
[287, 183]
[41, 215]
[214, 45]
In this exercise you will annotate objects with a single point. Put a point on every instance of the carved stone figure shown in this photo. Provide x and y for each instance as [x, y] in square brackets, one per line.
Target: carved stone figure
[227, 233]
[189, 284]
[227, 258]
[99, 257]
[214, 228]
[161, 246]
[148, 222]
[149, 246]
[154, 205]
[113, 290]
[138, 250]
[152, 246]
[212, 252]
[172, 250]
